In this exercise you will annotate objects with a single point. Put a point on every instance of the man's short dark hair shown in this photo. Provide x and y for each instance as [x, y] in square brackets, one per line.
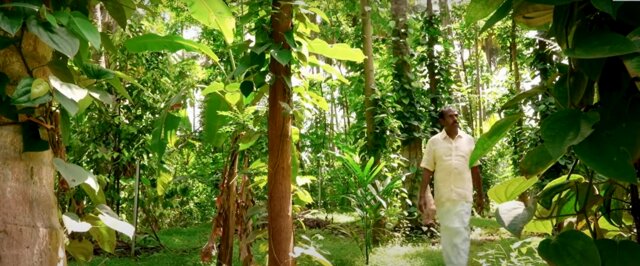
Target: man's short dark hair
[443, 110]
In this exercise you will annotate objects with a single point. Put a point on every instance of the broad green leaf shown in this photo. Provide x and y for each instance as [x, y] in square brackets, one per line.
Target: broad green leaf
[112, 220]
[68, 104]
[599, 44]
[58, 38]
[75, 175]
[618, 253]
[328, 68]
[101, 233]
[10, 22]
[213, 120]
[514, 215]
[215, 86]
[565, 128]
[570, 248]
[73, 224]
[282, 55]
[155, 43]
[96, 197]
[94, 71]
[539, 226]
[536, 161]
[83, 26]
[303, 196]
[479, 9]
[81, 250]
[609, 151]
[164, 132]
[608, 6]
[39, 88]
[120, 10]
[339, 51]
[215, 14]
[102, 96]
[318, 101]
[488, 140]
[233, 98]
[295, 134]
[561, 92]
[533, 15]
[510, 189]
[247, 141]
[70, 90]
[547, 197]
[246, 87]
[502, 12]
[515, 101]
[107, 43]
[117, 85]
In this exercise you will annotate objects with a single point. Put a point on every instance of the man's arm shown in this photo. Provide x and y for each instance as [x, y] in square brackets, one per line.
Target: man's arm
[426, 204]
[477, 185]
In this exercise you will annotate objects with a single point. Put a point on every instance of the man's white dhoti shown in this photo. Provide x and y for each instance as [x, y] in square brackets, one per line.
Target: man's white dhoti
[454, 232]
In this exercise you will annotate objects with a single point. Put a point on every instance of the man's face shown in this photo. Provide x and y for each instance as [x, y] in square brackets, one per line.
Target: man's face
[450, 119]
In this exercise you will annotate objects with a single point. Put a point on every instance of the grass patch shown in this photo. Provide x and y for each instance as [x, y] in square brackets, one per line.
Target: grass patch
[490, 245]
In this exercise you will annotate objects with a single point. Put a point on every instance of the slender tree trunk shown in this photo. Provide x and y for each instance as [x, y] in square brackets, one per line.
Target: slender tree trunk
[369, 80]
[228, 214]
[30, 232]
[279, 143]
[245, 202]
[402, 74]
[445, 15]
[431, 67]
[478, 88]
[516, 140]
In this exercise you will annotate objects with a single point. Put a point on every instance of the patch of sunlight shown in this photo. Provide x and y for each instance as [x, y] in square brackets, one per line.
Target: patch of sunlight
[396, 254]
[336, 218]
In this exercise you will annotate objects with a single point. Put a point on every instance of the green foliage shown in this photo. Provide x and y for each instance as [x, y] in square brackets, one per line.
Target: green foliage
[370, 194]
[510, 189]
[488, 140]
[570, 248]
[154, 43]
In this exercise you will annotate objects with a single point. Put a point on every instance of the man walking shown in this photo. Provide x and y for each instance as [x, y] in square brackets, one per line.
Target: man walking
[446, 159]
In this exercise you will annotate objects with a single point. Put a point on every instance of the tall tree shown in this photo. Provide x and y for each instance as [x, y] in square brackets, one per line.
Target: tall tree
[280, 226]
[409, 114]
[31, 232]
[369, 81]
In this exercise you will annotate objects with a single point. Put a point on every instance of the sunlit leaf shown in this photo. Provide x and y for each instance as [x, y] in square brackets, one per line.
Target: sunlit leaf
[488, 140]
[501, 12]
[215, 14]
[339, 51]
[155, 43]
[112, 220]
[510, 189]
[73, 223]
[479, 9]
[213, 120]
[101, 233]
[75, 175]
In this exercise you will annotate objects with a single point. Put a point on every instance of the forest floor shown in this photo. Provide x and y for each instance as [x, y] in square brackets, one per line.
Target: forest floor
[337, 242]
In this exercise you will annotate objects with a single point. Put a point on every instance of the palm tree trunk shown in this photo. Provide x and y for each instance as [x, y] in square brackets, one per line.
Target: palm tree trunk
[30, 231]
